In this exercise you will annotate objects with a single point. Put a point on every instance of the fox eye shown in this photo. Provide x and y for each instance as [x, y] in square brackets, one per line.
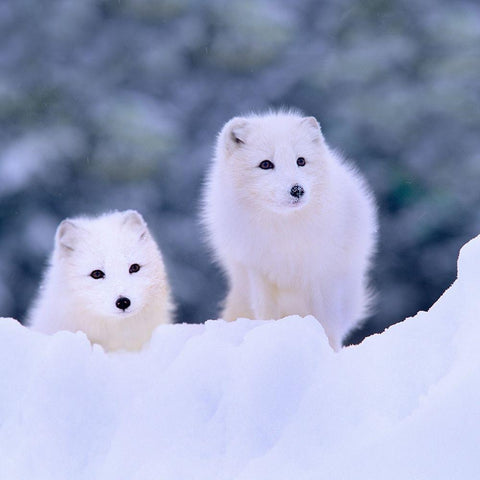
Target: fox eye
[301, 162]
[134, 267]
[266, 165]
[97, 274]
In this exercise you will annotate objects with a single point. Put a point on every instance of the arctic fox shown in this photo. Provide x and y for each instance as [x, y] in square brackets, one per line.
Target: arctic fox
[107, 278]
[293, 226]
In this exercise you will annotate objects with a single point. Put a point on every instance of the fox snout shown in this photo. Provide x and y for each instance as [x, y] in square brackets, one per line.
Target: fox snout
[123, 303]
[297, 191]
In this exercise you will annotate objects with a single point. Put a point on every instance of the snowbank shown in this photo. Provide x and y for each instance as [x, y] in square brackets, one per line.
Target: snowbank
[250, 400]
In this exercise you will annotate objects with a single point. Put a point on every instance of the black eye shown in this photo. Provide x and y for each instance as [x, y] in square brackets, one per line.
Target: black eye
[134, 267]
[301, 162]
[97, 274]
[266, 165]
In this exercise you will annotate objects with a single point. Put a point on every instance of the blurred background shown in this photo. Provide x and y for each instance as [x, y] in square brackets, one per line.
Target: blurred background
[116, 104]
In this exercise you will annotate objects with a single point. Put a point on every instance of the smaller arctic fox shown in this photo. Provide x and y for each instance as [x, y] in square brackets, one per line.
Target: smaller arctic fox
[291, 223]
[106, 278]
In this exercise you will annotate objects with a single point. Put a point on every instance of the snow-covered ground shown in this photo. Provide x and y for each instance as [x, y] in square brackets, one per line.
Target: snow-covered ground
[250, 400]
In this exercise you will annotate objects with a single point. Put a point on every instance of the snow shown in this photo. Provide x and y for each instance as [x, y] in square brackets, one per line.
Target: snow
[250, 400]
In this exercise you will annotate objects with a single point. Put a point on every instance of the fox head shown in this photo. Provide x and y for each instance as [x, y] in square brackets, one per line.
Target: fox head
[277, 161]
[110, 265]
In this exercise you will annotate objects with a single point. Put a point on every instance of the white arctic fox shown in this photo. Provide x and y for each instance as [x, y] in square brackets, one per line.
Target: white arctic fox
[107, 278]
[293, 226]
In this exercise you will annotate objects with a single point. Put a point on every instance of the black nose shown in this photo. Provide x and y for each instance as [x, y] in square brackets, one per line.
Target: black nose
[297, 191]
[123, 303]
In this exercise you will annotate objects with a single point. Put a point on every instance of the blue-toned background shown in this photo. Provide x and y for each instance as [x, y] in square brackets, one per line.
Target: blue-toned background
[116, 104]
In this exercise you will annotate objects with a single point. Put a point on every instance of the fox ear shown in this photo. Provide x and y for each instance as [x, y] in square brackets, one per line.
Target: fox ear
[67, 234]
[312, 125]
[134, 220]
[234, 133]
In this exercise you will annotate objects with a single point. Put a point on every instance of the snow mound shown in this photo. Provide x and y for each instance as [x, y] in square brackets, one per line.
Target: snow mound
[250, 400]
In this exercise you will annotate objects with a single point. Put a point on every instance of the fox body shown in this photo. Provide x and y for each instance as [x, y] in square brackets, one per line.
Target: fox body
[291, 223]
[107, 278]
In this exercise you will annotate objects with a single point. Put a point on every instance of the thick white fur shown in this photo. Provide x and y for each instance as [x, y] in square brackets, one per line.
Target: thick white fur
[283, 256]
[70, 299]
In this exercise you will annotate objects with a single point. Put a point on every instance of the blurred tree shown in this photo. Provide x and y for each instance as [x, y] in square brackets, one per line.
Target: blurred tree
[115, 104]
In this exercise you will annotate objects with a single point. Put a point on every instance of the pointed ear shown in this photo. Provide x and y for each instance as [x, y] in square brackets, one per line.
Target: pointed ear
[67, 235]
[132, 219]
[311, 124]
[234, 133]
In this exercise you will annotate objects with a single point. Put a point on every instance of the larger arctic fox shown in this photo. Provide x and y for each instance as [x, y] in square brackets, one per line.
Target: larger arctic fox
[293, 225]
[106, 278]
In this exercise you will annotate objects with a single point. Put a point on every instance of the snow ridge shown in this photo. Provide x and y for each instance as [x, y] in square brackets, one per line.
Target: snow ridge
[250, 400]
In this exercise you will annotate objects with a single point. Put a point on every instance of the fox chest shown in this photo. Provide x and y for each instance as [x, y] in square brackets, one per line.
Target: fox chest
[286, 261]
